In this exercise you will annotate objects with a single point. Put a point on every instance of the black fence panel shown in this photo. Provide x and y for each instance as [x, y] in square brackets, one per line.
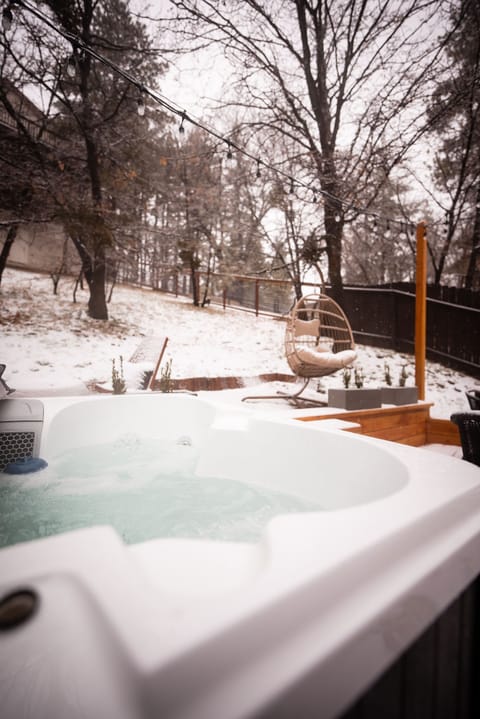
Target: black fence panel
[386, 318]
[453, 295]
[369, 314]
[453, 335]
[381, 317]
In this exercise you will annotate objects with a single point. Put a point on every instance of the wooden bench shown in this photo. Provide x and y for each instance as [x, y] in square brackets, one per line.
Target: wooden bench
[150, 349]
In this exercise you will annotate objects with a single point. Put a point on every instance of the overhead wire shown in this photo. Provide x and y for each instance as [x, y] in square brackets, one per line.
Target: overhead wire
[343, 206]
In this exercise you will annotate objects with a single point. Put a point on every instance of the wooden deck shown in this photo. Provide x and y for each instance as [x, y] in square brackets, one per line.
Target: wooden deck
[407, 424]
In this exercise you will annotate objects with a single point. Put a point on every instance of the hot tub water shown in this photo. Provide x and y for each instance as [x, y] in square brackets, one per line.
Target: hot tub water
[145, 488]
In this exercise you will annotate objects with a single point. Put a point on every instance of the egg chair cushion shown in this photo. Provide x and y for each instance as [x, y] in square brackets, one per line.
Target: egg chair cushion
[326, 359]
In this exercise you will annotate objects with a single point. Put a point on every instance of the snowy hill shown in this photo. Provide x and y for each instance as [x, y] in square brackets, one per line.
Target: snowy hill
[50, 345]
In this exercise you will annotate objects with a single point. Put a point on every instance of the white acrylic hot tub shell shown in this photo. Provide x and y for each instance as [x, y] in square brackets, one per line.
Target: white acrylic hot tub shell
[297, 625]
[275, 454]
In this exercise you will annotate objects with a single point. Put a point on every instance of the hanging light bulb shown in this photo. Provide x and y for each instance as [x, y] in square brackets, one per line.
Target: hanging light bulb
[181, 129]
[141, 106]
[259, 173]
[7, 18]
[72, 65]
[387, 231]
[337, 217]
[445, 224]
[229, 151]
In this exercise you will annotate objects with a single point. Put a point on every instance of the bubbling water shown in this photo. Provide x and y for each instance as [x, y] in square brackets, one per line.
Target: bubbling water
[145, 488]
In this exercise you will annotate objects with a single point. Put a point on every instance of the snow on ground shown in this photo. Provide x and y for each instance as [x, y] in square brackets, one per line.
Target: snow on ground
[50, 345]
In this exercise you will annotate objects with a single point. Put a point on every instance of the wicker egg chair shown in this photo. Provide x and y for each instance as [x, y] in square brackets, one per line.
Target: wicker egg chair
[318, 342]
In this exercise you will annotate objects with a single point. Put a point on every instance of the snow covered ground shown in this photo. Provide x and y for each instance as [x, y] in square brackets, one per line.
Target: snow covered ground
[50, 345]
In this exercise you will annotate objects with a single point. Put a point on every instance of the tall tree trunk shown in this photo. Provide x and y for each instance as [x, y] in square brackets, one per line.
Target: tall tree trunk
[195, 280]
[94, 271]
[97, 303]
[10, 239]
[205, 298]
[95, 268]
[334, 232]
[325, 161]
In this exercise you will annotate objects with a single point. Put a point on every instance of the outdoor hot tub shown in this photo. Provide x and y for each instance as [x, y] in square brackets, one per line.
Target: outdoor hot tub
[181, 558]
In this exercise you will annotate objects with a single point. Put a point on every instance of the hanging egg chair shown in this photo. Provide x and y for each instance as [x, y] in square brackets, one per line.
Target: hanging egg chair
[318, 341]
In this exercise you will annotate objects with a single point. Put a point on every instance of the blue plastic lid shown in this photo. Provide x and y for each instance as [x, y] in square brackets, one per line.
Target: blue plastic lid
[25, 465]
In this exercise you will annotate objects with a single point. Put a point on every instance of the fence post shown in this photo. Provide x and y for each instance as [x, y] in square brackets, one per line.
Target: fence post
[421, 309]
[394, 319]
[224, 297]
[256, 297]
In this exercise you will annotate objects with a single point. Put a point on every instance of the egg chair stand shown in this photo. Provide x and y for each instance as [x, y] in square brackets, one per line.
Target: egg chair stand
[295, 397]
[318, 342]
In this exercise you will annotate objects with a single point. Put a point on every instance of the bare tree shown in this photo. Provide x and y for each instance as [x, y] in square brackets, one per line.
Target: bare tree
[344, 80]
[377, 250]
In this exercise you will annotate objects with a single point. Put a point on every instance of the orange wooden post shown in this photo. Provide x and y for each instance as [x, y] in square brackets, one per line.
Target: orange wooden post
[421, 309]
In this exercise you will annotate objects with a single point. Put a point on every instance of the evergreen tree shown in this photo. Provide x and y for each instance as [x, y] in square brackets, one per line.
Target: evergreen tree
[104, 147]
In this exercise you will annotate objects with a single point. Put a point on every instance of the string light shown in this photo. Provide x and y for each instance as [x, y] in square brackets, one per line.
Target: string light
[72, 65]
[445, 224]
[181, 129]
[141, 106]
[77, 43]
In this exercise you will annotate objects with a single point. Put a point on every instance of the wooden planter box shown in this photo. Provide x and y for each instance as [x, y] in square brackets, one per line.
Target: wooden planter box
[354, 398]
[399, 395]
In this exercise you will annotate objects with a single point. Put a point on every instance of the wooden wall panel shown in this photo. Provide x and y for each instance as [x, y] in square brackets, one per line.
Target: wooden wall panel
[407, 424]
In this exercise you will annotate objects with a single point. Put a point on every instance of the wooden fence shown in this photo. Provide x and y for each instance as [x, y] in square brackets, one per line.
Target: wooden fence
[386, 318]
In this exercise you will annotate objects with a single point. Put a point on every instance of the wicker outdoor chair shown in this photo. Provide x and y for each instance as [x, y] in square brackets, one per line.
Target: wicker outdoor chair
[468, 424]
[318, 342]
